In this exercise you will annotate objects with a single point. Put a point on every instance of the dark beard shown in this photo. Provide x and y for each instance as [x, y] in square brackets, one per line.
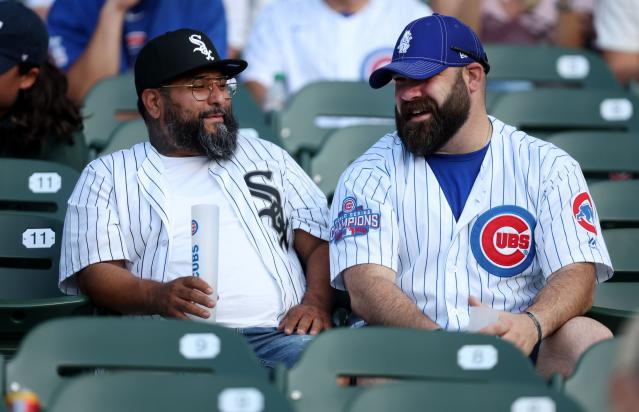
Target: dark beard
[191, 134]
[427, 137]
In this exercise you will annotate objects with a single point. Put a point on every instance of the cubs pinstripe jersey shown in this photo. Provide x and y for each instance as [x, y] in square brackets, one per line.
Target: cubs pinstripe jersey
[118, 211]
[528, 214]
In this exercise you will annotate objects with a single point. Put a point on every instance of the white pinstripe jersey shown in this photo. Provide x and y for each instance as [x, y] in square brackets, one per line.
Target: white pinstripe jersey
[117, 211]
[528, 214]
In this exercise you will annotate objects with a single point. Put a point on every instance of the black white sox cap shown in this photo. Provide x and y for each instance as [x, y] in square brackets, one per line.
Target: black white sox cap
[176, 53]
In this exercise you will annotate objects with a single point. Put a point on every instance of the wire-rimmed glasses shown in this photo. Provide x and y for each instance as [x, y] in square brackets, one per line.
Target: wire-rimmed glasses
[201, 88]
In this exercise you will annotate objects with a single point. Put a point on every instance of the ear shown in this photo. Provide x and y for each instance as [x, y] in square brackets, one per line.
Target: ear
[153, 102]
[475, 77]
[27, 79]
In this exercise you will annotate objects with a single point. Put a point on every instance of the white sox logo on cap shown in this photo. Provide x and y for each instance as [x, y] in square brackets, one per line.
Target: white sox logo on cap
[502, 240]
[201, 47]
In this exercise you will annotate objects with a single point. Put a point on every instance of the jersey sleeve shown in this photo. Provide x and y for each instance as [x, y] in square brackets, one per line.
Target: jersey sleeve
[91, 226]
[363, 220]
[568, 229]
[263, 50]
[306, 204]
[70, 24]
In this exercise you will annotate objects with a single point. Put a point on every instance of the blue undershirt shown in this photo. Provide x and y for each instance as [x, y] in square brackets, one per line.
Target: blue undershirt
[456, 174]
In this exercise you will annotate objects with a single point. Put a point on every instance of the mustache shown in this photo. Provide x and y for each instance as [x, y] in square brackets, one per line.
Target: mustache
[213, 112]
[426, 105]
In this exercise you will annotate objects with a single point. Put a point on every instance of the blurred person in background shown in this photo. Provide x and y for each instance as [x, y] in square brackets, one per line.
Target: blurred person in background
[37, 120]
[617, 26]
[312, 40]
[565, 23]
[624, 382]
[240, 16]
[41, 7]
[93, 39]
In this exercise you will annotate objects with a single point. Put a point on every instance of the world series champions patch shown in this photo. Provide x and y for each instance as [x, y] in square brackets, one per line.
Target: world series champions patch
[502, 240]
[353, 220]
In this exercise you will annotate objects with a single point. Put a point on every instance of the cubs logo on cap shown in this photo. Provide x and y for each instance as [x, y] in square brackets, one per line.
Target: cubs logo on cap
[584, 212]
[502, 240]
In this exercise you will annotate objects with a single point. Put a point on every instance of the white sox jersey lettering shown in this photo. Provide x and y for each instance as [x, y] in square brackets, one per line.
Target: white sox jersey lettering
[528, 214]
[118, 211]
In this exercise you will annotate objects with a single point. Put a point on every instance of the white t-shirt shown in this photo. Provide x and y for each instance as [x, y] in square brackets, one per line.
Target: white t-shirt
[248, 294]
[308, 41]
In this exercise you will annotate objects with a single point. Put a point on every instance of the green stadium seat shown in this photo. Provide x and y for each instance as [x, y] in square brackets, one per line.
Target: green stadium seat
[616, 299]
[29, 258]
[461, 397]
[546, 65]
[616, 202]
[250, 116]
[126, 135]
[75, 156]
[320, 108]
[110, 102]
[622, 246]
[36, 187]
[56, 351]
[393, 353]
[541, 112]
[588, 385]
[339, 149]
[601, 153]
[615, 303]
[138, 392]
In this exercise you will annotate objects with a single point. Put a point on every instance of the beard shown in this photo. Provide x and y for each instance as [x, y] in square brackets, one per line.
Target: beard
[191, 134]
[429, 136]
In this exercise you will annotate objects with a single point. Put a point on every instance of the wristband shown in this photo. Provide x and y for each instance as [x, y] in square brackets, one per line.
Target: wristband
[537, 325]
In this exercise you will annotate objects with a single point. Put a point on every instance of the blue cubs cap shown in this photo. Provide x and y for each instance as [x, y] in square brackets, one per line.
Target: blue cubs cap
[429, 45]
[23, 36]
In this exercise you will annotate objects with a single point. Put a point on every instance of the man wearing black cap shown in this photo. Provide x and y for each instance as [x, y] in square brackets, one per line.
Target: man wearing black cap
[458, 221]
[36, 118]
[127, 236]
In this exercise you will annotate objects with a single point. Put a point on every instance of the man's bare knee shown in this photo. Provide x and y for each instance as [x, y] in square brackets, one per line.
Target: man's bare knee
[560, 351]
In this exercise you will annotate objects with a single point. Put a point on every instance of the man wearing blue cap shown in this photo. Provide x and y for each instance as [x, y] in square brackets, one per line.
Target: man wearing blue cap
[457, 213]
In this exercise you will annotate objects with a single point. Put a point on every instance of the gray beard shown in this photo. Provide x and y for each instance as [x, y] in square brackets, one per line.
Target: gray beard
[179, 134]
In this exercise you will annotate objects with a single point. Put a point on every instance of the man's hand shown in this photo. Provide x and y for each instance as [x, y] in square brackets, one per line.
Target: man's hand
[517, 329]
[182, 296]
[306, 318]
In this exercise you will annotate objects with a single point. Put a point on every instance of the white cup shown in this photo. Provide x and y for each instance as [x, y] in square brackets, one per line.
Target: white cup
[205, 224]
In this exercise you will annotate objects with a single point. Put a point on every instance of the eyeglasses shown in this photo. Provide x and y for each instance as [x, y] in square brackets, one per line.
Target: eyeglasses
[203, 87]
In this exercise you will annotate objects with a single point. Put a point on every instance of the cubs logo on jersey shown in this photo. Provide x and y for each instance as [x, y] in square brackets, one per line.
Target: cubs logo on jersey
[374, 60]
[584, 212]
[502, 240]
[353, 220]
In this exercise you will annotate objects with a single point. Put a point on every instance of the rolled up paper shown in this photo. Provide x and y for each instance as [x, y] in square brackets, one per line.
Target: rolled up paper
[205, 224]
